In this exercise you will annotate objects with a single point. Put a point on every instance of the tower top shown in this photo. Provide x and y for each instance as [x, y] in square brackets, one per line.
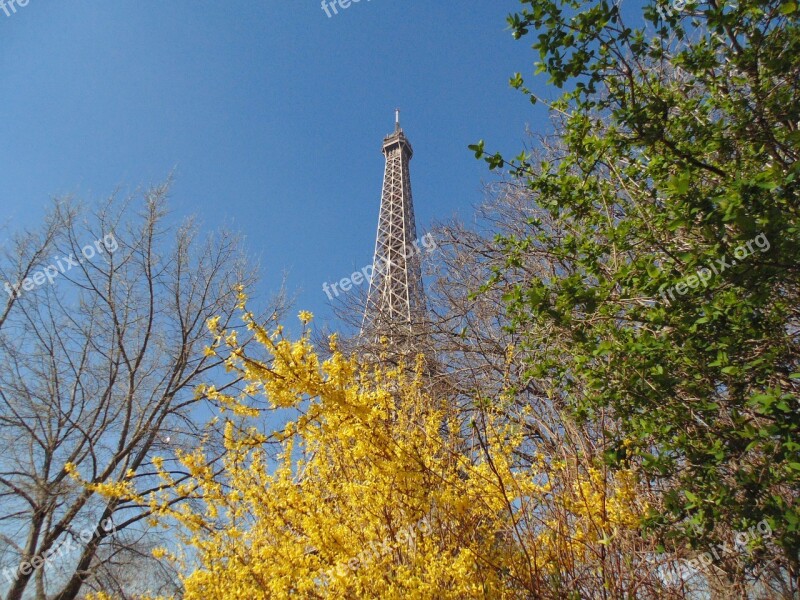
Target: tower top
[397, 137]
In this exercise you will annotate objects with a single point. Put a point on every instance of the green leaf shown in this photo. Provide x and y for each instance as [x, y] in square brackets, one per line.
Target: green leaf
[477, 148]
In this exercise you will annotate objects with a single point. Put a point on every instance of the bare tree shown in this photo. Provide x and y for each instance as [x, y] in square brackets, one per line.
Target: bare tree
[101, 348]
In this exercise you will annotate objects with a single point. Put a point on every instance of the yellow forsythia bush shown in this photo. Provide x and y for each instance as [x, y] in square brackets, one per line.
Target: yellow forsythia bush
[375, 490]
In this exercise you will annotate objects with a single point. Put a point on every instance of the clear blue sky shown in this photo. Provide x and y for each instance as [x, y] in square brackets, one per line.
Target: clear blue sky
[270, 113]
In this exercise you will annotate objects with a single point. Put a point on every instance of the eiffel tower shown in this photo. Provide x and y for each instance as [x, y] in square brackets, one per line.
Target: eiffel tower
[395, 307]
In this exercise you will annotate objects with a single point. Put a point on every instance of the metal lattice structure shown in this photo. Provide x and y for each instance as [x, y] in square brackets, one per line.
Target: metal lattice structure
[395, 302]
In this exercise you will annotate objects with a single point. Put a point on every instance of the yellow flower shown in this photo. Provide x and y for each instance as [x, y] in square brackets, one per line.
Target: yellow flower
[305, 316]
[213, 324]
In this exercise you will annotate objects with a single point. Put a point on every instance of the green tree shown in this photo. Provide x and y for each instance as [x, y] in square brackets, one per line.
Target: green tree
[668, 216]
